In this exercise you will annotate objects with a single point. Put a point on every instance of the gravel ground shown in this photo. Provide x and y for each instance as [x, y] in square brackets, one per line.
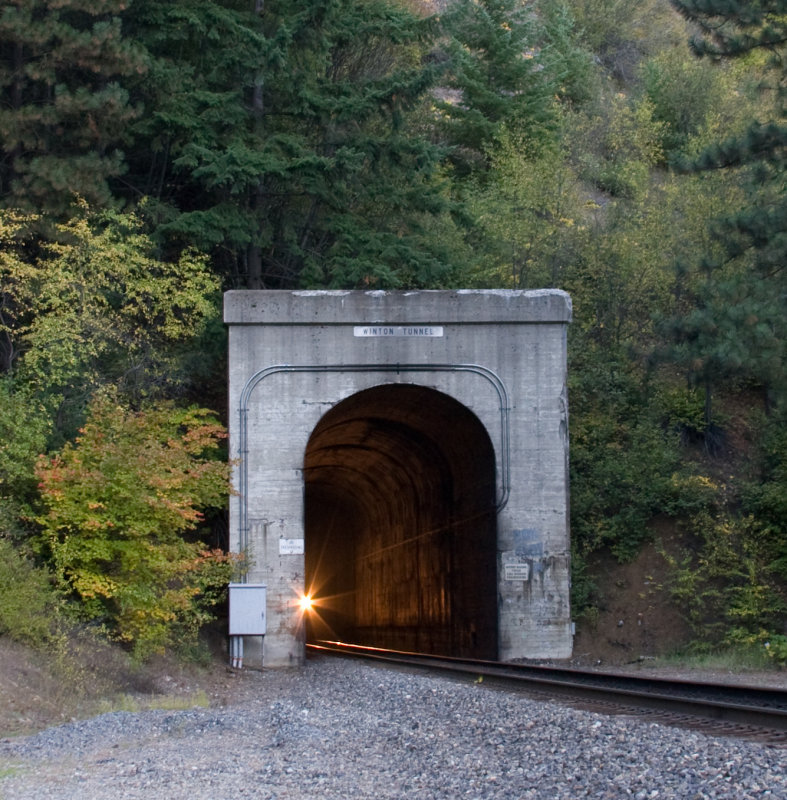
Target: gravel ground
[342, 729]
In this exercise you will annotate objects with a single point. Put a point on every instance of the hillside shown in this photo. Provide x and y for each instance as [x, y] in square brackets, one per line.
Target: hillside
[630, 153]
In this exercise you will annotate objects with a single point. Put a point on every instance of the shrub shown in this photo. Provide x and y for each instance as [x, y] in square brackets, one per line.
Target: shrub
[29, 602]
[121, 507]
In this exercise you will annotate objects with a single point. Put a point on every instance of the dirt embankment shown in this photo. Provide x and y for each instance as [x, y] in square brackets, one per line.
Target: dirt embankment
[635, 617]
[38, 690]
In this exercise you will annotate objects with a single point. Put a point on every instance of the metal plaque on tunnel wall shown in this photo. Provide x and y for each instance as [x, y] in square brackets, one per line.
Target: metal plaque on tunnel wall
[397, 330]
[516, 572]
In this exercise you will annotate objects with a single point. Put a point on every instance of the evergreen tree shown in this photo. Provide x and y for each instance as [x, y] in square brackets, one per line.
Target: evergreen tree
[731, 28]
[739, 322]
[497, 78]
[349, 187]
[276, 135]
[64, 112]
[280, 139]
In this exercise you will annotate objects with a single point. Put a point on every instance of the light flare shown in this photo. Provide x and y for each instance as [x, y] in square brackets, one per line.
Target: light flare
[306, 603]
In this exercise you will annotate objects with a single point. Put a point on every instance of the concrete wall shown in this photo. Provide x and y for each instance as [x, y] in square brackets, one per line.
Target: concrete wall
[501, 354]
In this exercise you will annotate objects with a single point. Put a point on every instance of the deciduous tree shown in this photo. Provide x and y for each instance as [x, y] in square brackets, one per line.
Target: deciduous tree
[119, 505]
[97, 307]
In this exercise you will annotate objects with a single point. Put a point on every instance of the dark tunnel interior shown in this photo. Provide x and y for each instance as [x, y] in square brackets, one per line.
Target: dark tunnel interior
[400, 524]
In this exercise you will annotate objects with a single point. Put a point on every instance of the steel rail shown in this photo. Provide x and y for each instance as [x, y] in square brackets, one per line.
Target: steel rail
[746, 708]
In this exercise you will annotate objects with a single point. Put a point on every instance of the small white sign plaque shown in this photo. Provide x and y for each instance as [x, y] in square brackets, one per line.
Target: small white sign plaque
[516, 572]
[290, 547]
[416, 331]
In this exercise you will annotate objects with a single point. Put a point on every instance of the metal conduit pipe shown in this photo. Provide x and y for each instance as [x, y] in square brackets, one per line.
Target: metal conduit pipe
[236, 652]
[254, 381]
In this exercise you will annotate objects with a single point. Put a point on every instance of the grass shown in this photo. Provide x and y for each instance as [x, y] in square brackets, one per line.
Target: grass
[9, 772]
[167, 702]
[731, 659]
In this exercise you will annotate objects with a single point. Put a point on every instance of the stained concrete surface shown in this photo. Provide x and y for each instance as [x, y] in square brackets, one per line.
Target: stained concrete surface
[404, 456]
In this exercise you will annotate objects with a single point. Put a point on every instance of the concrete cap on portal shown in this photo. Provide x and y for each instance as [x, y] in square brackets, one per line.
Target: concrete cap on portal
[467, 306]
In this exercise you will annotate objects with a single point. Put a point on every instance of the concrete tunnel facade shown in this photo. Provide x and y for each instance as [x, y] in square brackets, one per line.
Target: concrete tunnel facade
[402, 457]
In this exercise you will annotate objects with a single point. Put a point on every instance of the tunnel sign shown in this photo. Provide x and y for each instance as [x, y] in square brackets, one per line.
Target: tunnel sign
[397, 330]
[516, 572]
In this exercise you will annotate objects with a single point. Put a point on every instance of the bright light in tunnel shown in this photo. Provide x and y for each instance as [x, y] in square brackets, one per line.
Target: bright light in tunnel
[305, 603]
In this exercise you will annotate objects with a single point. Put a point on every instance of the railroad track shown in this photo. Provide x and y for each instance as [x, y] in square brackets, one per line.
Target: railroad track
[742, 711]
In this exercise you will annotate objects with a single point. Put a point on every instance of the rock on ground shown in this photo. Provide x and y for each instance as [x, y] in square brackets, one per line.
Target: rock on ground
[343, 729]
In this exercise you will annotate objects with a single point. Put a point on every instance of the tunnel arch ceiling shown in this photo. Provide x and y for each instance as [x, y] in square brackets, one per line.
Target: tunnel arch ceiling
[400, 524]
[357, 410]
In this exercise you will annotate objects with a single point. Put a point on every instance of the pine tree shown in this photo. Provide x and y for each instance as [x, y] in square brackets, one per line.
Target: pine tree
[196, 151]
[64, 112]
[497, 78]
[348, 185]
[738, 325]
[281, 140]
[730, 28]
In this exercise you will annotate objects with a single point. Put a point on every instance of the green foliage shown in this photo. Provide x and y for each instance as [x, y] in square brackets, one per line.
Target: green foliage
[15, 272]
[348, 143]
[625, 464]
[727, 591]
[685, 96]
[29, 603]
[733, 582]
[97, 307]
[765, 500]
[776, 647]
[291, 154]
[565, 56]
[528, 210]
[353, 187]
[625, 145]
[496, 78]
[684, 410]
[196, 159]
[620, 267]
[737, 323]
[595, 21]
[64, 114]
[584, 586]
[24, 428]
[735, 27]
[735, 330]
[279, 138]
[733, 659]
[621, 33]
[119, 505]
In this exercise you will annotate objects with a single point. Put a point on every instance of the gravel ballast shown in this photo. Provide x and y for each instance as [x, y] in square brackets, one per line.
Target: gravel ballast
[344, 729]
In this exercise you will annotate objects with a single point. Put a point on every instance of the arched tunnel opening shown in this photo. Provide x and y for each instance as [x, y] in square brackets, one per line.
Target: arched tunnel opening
[401, 524]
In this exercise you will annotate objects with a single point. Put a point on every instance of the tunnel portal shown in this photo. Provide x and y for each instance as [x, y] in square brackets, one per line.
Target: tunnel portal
[400, 524]
[402, 455]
